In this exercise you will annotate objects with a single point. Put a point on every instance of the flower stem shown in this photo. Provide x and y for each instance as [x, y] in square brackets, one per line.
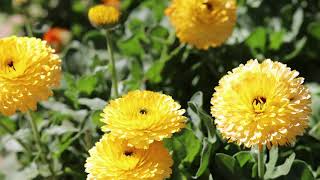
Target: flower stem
[4, 127]
[36, 136]
[112, 65]
[260, 162]
[29, 29]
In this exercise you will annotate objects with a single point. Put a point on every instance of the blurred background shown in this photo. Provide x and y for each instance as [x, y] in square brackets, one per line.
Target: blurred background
[149, 57]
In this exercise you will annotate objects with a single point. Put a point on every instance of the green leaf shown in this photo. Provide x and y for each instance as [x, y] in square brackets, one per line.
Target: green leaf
[93, 104]
[227, 166]
[297, 21]
[8, 123]
[196, 99]
[205, 157]
[95, 118]
[71, 91]
[136, 76]
[228, 163]
[131, 47]
[273, 158]
[157, 9]
[247, 162]
[185, 147]
[300, 171]
[315, 131]
[93, 35]
[273, 171]
[276, 40]
[87, 84]
[154, 72]
[191, 144]
[257, 40]
[314, 29]
[2, 176]
[243, 158]
[298, 46]
[159, 32]
[206, 120]
[136, 71]
[315, 106]
[78, 7]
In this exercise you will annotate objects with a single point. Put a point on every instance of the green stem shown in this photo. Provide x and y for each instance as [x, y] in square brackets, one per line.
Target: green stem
[12, 135]
[29, 29]
[36, 136]
[112, 65]
[261, 162]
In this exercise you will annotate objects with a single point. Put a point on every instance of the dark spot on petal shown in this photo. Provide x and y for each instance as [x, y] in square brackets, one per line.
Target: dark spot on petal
[128, 153]
[209, 6]
[143, 111]
[11, 65]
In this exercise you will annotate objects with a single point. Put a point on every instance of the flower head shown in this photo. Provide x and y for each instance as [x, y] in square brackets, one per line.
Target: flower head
[113, 159]
[104, 15]
[203, 23]
[28, 69]
[261, 104]
[57, 37]
[142, 117]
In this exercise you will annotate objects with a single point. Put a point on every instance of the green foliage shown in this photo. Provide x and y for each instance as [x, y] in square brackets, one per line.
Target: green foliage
[149, 56]
[273, 171]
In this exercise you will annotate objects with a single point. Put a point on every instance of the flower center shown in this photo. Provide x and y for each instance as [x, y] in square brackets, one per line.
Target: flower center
[128, 153]
[208, 5]
[143, 111]
[259, 104]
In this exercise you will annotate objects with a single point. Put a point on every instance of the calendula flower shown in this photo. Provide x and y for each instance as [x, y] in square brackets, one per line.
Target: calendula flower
[203, 23]
[57, 37]
[28, 69]
[261, 104]
[104, 15]
[142, 117]
[113, 159]
[115, 3]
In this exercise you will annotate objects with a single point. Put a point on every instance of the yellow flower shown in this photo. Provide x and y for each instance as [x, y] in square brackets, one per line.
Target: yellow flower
[103, 15]
[203, 23]
[28, 69]
[142, 117]
[261, 104]
[112, 159]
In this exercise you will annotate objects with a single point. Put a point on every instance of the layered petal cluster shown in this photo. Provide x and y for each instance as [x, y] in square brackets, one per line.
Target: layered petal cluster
[203, 23]
[113, 159]
[28, 69]
[104, 15]
[142, 117]
[261, 104]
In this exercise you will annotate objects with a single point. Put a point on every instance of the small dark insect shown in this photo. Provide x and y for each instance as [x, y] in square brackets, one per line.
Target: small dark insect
[10, 64]
[209, 6]
[143, 111]
[128, 153]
